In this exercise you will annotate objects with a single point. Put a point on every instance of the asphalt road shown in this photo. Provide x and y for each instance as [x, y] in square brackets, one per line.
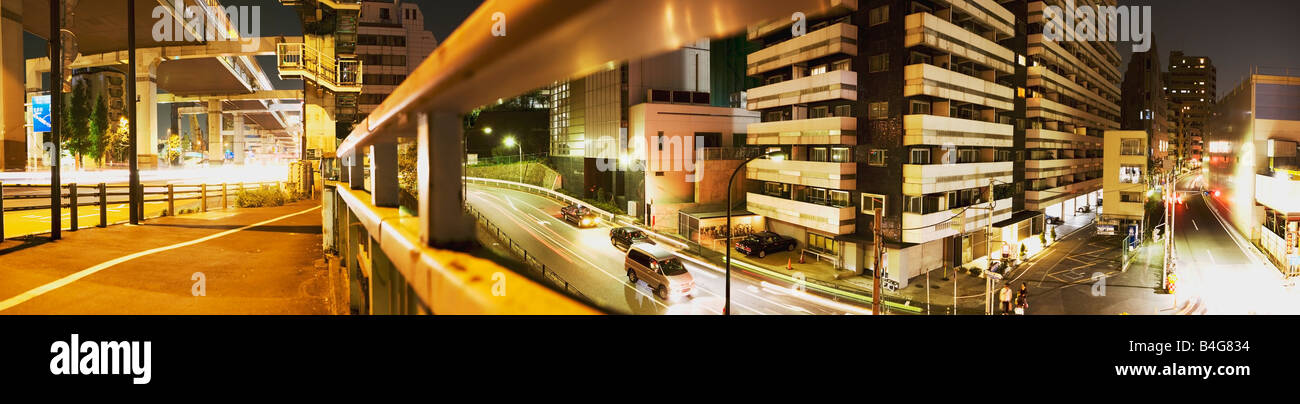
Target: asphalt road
[1214, 272]
[586, 259]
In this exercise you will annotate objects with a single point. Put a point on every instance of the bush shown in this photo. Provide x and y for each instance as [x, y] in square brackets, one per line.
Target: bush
[261, 197]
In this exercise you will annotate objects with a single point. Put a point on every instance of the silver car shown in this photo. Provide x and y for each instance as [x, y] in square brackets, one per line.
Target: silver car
[660, 270]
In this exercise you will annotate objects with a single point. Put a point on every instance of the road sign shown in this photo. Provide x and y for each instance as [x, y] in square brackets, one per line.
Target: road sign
[993, 275]
[40, 114]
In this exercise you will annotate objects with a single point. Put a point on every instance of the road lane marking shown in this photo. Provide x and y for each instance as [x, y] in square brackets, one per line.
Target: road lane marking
[64, 281]
[1198, 228]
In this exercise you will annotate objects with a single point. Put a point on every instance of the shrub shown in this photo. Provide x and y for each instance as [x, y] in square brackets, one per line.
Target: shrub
[261, 197]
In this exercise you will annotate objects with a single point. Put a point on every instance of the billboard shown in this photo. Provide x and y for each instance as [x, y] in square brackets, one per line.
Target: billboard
[40, 113]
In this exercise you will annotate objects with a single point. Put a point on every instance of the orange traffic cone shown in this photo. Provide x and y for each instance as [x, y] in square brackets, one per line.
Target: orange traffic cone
[788, 265]
[800, 258]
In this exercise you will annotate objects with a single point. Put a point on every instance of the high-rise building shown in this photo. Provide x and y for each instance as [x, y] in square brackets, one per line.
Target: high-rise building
[1192, 89]
[953, 117]
[391, 43]
[1145, 108]
[589, 118]
[1254, 171]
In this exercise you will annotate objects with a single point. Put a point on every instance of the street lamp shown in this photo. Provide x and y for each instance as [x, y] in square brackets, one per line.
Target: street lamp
[487, 130]
[510, 142]
[775, 155]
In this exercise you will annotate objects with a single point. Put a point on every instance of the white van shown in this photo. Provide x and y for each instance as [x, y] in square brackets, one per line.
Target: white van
[660, 269]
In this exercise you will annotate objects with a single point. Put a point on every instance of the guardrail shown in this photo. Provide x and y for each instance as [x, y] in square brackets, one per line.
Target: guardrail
[168, 193]
[536, 190]
[515, 248]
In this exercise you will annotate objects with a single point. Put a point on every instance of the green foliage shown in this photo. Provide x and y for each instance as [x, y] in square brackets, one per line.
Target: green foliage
[261, 197]
[99, 128]
[117, 144]
[1023, 250]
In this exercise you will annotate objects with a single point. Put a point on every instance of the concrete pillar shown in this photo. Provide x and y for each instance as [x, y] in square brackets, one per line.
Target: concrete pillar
[441, 193]
[13, 130]
[239, 139]
[146, 111]
[356, 171]
[215, 155]
[383, 174]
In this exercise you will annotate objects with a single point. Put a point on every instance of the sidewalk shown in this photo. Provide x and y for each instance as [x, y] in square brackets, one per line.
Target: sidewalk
[250, 261]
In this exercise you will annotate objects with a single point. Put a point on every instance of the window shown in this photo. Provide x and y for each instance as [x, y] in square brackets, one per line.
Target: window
[1135, 197]
[872, 202]
[817, 70]
[966, 156]
[920, 156]
[878, 110]
[876, 158]
[843, 65]
[839, 198]
[775, 79]
[878, 63]
[821, 243]
[918, 58]
[1002, 155]
[776, 189]
[840, 154]
[1131, 147]
[920, 107]
[1130, 174]
[773, 116]
[820, 112]
[912, 204]
[817, 154]
[844, 110]
[877, 16]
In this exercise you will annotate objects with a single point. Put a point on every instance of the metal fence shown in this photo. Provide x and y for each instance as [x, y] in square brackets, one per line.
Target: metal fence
[541, 269]
[73, 193]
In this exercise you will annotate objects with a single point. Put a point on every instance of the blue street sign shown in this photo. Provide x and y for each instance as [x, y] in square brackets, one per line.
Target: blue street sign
[230, 155]
[41, 114]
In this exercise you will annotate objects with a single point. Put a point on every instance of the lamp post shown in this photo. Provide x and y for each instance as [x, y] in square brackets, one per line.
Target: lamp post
[510, 142]
[775, 155]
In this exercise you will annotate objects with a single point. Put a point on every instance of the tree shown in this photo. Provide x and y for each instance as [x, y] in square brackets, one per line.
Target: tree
[99, 130]
[117, 146]
[76, 131]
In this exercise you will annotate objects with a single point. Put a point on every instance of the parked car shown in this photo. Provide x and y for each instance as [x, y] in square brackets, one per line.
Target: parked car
[580, 215]
[660, 270]
[1054, 220]
[765, 242]
[624, 237]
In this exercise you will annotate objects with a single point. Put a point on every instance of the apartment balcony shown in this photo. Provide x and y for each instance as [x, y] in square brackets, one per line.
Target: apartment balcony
[1038, 169]
[935, 81]
[836, 7]
[1041, 76]
[1052, 139]
[811, 173]
[931, 178]
[1097, 52]
[1052, 53]
[830, 219]
[987, 13]
[1040, 199]
[942, 130]
[836, 130]
[840, 38]
[1039, 107]
[934, 32]
[932, 226]
[839, 84]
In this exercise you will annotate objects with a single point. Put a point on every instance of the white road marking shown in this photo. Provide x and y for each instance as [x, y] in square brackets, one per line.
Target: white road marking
[64, 281]
[1198, 228]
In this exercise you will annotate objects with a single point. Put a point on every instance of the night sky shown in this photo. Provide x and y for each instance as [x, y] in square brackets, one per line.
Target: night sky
[1235, 34]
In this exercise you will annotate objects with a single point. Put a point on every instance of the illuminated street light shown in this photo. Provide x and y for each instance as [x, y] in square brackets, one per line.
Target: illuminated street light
[487, 131]
[510, 142]
[774, 155]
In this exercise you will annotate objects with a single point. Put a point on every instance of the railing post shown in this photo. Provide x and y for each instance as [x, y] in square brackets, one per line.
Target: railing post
[103, 205]
[72, 208]
[441, 190]
[224, 192]
[203, 197]
[171, 200]
[2, 211]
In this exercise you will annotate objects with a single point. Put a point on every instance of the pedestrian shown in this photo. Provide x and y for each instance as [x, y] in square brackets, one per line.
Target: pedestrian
[1022, 299]
[1004, 297]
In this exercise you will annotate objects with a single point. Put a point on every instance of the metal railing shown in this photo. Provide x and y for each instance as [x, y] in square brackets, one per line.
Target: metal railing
[298, 58]
[73, 193]
[536, 190]
[543, 272]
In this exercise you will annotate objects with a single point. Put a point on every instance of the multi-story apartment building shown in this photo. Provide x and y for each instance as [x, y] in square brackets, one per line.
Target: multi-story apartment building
[1254, 135]
[391, 42]
[1145, 108]
[1127, 155]
[1192, 89]
[924, 110]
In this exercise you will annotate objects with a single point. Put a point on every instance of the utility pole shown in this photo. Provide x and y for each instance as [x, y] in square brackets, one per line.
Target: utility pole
[135, 196]
[988, 248]
[879, 266]
[56, 119]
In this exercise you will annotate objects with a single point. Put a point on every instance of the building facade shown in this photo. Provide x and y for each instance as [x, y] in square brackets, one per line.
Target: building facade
[1253, 135]
[1125, 180]
[937, 113]
[1145, 108]
[391, 43]
[1192, 89]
